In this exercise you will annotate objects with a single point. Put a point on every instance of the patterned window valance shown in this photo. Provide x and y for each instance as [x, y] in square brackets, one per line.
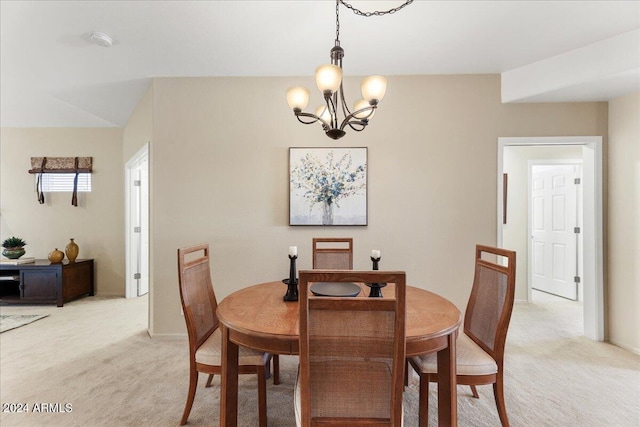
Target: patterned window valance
[40, 165]
[61, 164]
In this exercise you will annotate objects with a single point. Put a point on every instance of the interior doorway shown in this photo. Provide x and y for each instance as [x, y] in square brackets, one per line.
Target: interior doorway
[137, 224]
[590, 150]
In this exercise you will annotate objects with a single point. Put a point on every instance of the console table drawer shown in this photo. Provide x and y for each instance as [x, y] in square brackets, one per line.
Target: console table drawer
[40, 285]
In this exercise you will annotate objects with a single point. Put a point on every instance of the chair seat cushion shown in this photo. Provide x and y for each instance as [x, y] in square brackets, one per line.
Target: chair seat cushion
[210, 352]
[471, 359]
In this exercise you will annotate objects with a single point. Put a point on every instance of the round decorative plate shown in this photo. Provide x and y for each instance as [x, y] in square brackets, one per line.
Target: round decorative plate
[335, 289]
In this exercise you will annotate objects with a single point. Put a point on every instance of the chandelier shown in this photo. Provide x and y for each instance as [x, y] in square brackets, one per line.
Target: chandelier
[329, 82]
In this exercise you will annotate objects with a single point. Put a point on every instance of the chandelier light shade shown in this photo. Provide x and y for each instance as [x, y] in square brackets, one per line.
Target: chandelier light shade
[362, 110]
[329, 82]
[373, 88]
[298, 98]
[323, 113]
[328, 78]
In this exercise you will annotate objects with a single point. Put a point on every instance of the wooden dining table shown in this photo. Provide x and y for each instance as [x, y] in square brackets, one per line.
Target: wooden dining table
[258, 318]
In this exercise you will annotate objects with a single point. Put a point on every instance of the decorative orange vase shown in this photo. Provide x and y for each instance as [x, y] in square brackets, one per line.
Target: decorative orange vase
[56, 256]
[72, 251]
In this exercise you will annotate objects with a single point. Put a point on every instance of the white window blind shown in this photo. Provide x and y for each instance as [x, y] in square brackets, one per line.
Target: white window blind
[63, 182]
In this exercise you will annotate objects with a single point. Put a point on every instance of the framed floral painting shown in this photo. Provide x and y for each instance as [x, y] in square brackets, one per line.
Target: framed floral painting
[327, 186]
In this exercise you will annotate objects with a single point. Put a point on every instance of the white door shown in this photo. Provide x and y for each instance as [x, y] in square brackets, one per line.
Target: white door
[554, 218]
[138, 224]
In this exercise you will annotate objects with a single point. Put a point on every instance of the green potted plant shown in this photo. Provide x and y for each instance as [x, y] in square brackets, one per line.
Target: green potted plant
[13, 247]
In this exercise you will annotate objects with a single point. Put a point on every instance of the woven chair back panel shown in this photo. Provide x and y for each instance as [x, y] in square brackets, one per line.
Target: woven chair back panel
[345, 388]
[491, 288]
[199, 300]
[351, 359]
[351, 334]
[351, 323]
[332, 260]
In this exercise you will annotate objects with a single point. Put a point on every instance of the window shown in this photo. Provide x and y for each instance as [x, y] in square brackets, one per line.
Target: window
[60, 182]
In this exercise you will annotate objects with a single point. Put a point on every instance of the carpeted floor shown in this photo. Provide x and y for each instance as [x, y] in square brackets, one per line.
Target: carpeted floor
[93, 364]
[13, 321]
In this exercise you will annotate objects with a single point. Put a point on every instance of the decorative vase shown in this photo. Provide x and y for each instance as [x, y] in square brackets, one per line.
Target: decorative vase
[327, 213]
[13, 253]
[56, 256]
[72, 251]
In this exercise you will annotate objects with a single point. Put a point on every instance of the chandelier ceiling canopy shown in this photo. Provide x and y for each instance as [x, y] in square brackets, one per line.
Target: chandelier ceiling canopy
[329, 82]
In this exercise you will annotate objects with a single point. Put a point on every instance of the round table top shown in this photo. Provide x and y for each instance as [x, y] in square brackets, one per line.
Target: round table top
[258, 317]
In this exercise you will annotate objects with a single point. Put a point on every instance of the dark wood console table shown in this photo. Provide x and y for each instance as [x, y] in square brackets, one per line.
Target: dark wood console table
[42, 282]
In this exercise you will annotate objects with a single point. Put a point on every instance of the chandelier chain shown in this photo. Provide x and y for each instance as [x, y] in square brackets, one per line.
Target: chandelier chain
[366, 14]
[377, 12]
[337, 20]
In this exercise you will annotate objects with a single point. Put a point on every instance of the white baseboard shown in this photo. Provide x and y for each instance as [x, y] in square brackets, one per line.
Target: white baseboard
[635, 350]
[109, 294]
[169, 337]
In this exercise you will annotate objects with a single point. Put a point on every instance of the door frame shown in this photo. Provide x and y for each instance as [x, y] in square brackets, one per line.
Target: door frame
[593, 242]
[131, 286]
[579, 207]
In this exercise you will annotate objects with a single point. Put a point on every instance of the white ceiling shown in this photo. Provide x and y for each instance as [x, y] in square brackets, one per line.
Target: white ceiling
[546, 51]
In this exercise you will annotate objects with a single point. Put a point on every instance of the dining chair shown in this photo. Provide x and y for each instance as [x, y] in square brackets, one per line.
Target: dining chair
[205, 338]
[334, 253]
[480, 348]
[352, 353]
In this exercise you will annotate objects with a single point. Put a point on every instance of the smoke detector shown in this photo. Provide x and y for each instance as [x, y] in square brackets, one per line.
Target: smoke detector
[101, 39]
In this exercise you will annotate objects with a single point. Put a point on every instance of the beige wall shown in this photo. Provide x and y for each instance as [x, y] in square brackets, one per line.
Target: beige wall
[139, 128]
[96, 223]
[515, 234]
[624, 222]
[220, 175]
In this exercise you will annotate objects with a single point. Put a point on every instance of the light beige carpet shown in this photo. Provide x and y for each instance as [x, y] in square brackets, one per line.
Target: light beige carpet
[95, 355]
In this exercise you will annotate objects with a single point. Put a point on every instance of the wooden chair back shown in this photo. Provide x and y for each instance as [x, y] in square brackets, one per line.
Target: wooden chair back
[196, 293]
[352, 352]
[333, 253]
[491, 301]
